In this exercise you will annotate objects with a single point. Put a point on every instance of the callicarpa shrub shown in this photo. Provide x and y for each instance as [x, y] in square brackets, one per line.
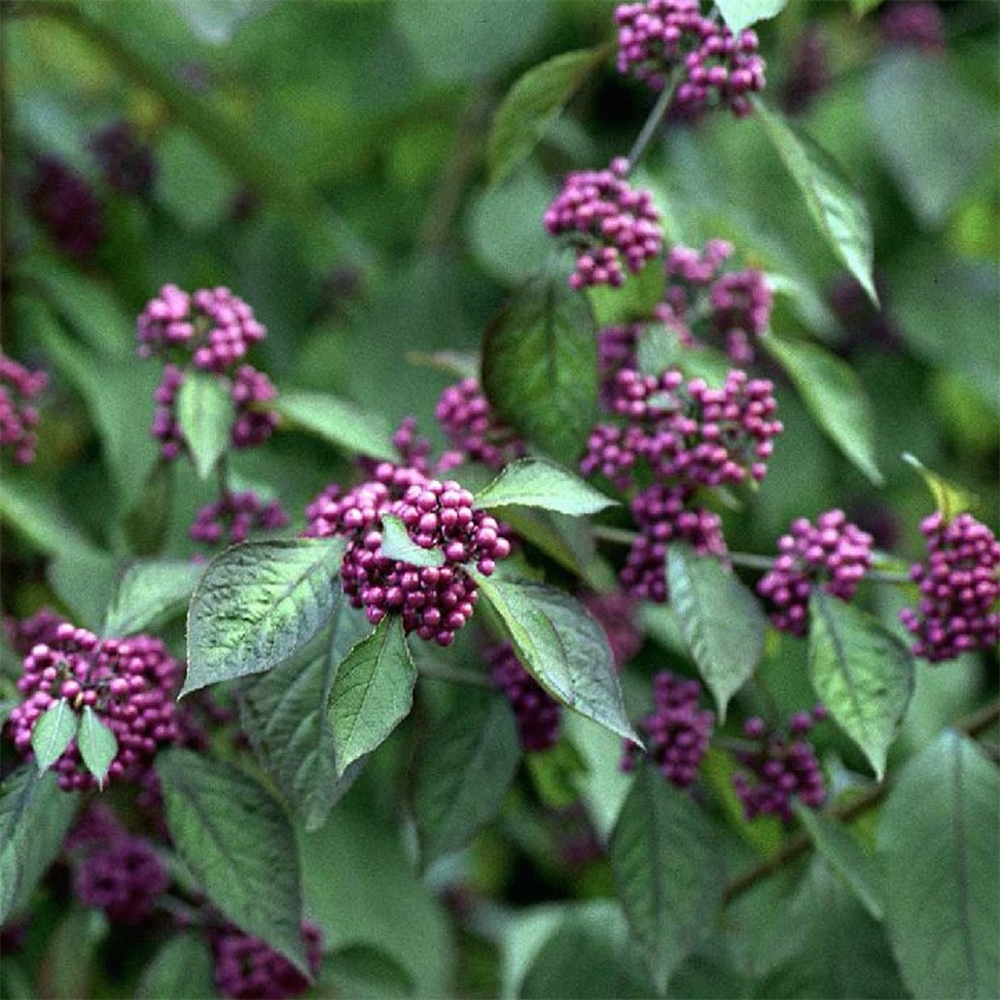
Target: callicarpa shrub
[475, 527]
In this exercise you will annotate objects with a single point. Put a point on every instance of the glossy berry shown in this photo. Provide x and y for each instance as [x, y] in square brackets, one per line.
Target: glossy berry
[129, 684]
[741, 310]
[608, 223]
[464, 414]
[122, 875]
[833, 553]
[234, 517]
[676, 732]
[248, 969]
[959, 589]
[28, 632]
[538, 714]
[65, 206]
[18, 417]
[127, 165]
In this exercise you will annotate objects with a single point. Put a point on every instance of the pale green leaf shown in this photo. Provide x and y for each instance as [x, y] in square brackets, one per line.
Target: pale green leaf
[397, 544]
[205, 418]
[740, 14]
[97, 743]
[53, 733]
[537, 482]
[338, 422]
[150, 592]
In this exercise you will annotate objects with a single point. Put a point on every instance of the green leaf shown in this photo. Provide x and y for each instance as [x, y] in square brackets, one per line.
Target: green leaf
[938, 845]
[660, 349]
[193, 182]
[861, 672]
[740, 14]
[836, 208]
[31, 511]
[53, 733]
[238, 843]
[98, 745]
[861, 7]
[668, 871]
[835, 397]
[540, 367]
[147, 522]
[845, 856]
[561, 646]
[537, 482]
[463, 772]
[35, 815]
[150, 592]
[366, 973]
[532, 106]
[721, 620]
[257, 605]
[397, 544]
[205, 418]
[284, 712]
[84, 584]
[557, 773]
[949, 498]
[372, 691]
[632, 302]
[182, 967]
[932, 130]
[339, 423]
[217, 23]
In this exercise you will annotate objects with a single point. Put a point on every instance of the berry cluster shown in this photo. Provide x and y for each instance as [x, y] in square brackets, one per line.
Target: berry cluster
[233, 517]
[538, 714]
[248, 969]
[128, 683]
[29, 632]
[126, 164]
[18, 418]
[833, 550]
[912, 23]
[779, 768]
[122, 875]
[959, 589]
[719, 69]
[677, 731]
[808, 72]
[617, 348]
[606, 221]
[66, 207]
[616, 614]
[464, 413]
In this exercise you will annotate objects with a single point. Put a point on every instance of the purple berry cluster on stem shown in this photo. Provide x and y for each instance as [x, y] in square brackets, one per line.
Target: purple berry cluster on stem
[780, 768]
[833, 552]
[959, 589]
[18, 417]
[677, 731]
[28, 632]
[607, 222]
[717, 69]
[248, 969]
[465, 416]
[234, 517]
[127, 164]
[128, 683]
[66, 207]
[912, 24]
[538, 714]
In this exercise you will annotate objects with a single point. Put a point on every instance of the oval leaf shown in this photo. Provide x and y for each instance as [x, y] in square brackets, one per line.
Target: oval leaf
[205, 417]
[835, 397]
[238, 843]
[938, 845]
[835, 206]
[540, 367]
[98, 745]
[183, 967]
[53, 733]
[532, 106]
[257, 605]
[537, 482]
[397, 544]
[562, 647]
[949, 498]
[463, 772]
[372, 692]
[150, 592]
[861, 672]
[339, 423]
[721, 620]
[668, 871]
[740, 14]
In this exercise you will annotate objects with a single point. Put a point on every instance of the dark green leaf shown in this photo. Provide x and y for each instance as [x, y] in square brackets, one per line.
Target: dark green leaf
[84, 583]
[150, 592]
[338, 422]
[668, 871]
[949, 498]
[632, 302]
[740, 14]
[861, 672]
[98, 745]
[34, 513]
[205, 418]
[835, 397]
[720, 618]
[366, 973]
[35, 815]
[836, 208]
[217, 22]
[397, 544]
[537, 482]
[938, 845]
[257, 605]
[862, 7]
[372, 691]
[532, 106]
[238, 842]
[192, 181]
[556, 773]
[540, 367]
[67, 968]
[562, 646]
[147, 522]
[660, 349]
[53, 733]
[182, 967]
[463, 772]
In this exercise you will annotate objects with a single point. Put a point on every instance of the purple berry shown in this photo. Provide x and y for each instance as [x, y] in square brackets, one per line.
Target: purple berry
[127, 164]
[18, 418]
[912, 23]
[122, 875]
[538, 714]
[248, 969]
[28, 632]
[808, 72]
[65, 206]
[234, 517]
[464, 414]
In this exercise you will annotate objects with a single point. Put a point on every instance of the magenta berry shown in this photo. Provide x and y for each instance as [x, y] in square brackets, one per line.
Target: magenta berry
[127, 165]
[538, 714]
[42, 626]
[65, 206]
[129, 683]
[607, 222]
[741, 304]
[122, 875]
[833, 552]
[235, 517]
[18, 417]
[959, 589]
[248, 969]
[464, 414]
[912, 24]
